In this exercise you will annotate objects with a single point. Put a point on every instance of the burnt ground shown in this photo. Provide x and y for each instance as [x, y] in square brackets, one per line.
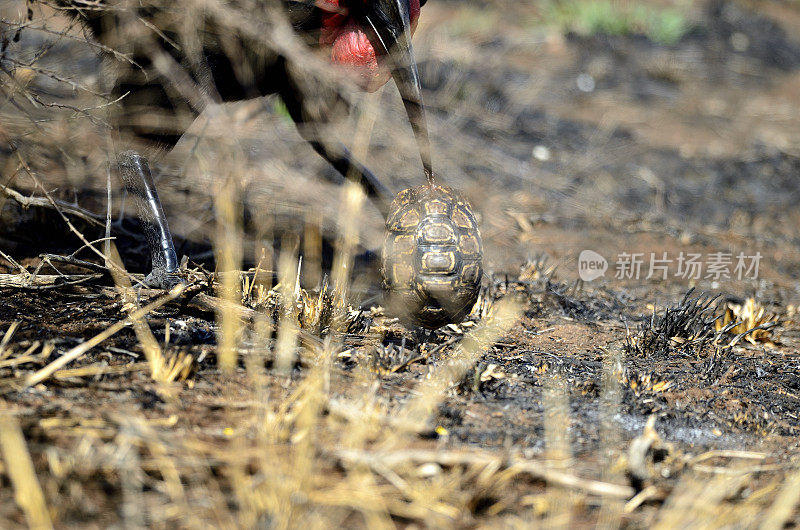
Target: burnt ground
[564, 141]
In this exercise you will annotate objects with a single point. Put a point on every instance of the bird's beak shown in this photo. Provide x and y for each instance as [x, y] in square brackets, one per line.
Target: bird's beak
[388, 25]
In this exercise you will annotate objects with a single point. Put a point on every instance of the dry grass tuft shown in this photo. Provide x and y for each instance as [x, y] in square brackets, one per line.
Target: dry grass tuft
[750, 320]
[688, 326]
[645, 383]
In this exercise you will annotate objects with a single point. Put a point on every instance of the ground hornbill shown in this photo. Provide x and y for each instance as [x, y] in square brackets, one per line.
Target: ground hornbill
[174, 57]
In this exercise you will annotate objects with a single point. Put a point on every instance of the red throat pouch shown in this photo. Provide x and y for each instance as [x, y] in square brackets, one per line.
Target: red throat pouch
[350, 46]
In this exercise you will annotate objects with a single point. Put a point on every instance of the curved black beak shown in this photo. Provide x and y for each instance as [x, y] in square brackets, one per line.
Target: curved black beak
[389, 22]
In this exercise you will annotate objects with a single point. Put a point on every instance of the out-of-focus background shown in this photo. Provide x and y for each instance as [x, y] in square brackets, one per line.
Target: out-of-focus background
[660, 128]
[613, 125]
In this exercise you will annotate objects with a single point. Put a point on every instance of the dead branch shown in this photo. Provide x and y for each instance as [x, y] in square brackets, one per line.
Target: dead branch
[112, 265]
[38, 282]
[64, 35]
[40, 202]
[71, 260]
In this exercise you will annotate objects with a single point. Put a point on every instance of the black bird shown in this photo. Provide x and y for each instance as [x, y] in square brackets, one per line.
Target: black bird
[172, 58]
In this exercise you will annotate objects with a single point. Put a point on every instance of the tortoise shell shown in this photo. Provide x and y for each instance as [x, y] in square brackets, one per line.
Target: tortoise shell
[432, 256]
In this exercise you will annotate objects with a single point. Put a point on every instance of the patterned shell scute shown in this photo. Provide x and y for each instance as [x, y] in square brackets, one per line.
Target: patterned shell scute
[432, 256]
[437, 262]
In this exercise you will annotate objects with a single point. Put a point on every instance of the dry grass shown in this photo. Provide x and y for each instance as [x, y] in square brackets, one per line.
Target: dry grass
[300, 442]
[306, 455]
[27, 491]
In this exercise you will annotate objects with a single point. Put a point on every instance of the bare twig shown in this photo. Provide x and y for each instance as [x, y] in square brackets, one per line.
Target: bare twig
[61, 34]
[13, 262]
[113, 266]
[44, 281]
[70, 260]
[39, 202]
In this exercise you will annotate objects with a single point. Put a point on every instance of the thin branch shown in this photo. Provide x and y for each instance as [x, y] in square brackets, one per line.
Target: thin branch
[39, 202]
[112, 266]
[42, 282]
[122, 56]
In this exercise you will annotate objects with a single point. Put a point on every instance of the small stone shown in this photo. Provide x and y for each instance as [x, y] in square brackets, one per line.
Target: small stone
[541, 153]
[585, 83]
[740, 42]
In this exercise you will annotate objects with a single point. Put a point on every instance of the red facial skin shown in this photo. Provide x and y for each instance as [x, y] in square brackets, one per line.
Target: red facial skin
[350, 47]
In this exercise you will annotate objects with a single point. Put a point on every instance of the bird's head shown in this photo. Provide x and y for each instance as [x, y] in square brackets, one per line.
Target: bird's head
[372, 40]
[362, 34]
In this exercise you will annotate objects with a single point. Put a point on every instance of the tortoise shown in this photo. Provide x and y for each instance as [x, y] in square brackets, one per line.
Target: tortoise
[432, 256]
